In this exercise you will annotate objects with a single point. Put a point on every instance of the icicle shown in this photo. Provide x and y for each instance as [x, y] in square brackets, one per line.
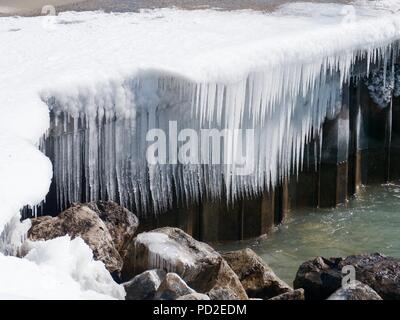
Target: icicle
[99, 140]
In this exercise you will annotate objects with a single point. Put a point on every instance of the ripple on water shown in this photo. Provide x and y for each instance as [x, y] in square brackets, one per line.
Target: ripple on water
[370, 222]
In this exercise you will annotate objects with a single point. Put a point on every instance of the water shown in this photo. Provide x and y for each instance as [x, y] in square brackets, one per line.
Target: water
[369, 223]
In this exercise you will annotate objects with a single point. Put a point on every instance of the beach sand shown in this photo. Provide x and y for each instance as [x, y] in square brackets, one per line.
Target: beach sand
[23, 7]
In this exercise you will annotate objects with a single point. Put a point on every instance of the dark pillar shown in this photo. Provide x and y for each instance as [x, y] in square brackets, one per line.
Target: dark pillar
[220, 221]
[394, 174]
[354, 177]
[267, 211]
[302, 188]
[251, 225]
[374, 140]
[334, 154]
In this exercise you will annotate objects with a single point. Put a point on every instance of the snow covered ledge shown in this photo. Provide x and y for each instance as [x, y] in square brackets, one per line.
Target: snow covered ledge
[90, 63]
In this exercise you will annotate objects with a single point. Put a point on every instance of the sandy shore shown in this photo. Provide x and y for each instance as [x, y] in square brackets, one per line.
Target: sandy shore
[11, 7]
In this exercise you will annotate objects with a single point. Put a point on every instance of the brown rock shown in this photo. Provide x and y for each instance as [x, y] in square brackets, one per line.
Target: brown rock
[79, 221]
[297, 294]
[194, 296]
[145, 285]
[172, 288]
[220, 293]
[257, 277]
[172, 250]
[121, 223]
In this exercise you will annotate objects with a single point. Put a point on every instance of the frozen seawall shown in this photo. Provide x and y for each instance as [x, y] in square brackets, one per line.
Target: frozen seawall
[96, 83]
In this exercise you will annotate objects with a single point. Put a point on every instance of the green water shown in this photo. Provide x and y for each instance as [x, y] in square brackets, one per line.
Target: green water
[368, 223]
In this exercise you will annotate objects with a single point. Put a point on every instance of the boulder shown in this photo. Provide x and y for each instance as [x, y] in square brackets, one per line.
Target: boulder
[172, 287]
[297, 294]
[378, 271]
[220, 293]
[145, 285]
[322, 277]
[355, 291]
[121, 223]
[80, 221]
[194, 296]
[172, 250]
[257, 278]
[319, 278]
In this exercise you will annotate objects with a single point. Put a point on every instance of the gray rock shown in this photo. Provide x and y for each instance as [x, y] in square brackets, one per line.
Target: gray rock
[80, 221]
[145, 285]
[220, 293]
[172, 288]
[194, 296]
[297, 294]
[378, 271]
[172, 250]
[257, 277]
[356, 291]
[322, 277]
[319, 278]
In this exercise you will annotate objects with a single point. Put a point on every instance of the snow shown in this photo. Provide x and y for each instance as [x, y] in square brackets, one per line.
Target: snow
[57, 269]
[280, 73]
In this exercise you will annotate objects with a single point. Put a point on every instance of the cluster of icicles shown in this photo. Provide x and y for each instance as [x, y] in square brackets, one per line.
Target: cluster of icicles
[97, 140]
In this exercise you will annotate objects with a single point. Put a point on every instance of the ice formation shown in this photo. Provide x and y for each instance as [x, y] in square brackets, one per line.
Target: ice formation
[384, 84]
[164, 253]
[280, 84]
[108, 78]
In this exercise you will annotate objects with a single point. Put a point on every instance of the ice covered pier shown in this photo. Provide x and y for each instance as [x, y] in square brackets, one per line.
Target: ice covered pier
[358, 144]
[319, 85]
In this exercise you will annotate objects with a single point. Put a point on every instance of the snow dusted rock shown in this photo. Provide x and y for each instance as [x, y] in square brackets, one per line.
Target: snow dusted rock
[356, 291]
[194, 296]
[297, 294]
[121, 223]
[145, 285]
[79, 221]
[257, 278]
[171, 249]
[319, 278]
[172, 288]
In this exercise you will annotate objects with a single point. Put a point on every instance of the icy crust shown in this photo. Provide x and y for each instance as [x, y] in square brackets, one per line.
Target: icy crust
[384, 84]
[163, 252]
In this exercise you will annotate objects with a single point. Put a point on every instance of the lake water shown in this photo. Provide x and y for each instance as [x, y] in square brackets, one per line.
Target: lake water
[369, 223]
